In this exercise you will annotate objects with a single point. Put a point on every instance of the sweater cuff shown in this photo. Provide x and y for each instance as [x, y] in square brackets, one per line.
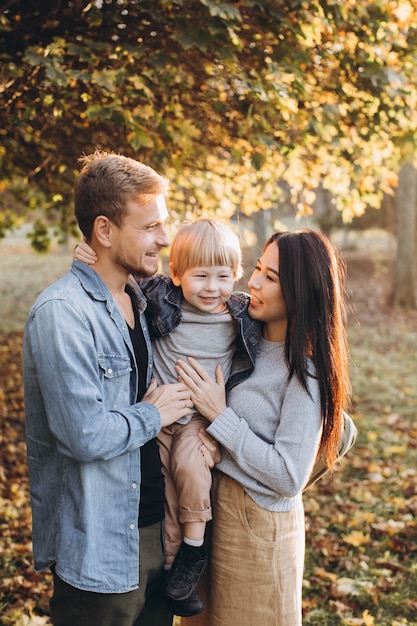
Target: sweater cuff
[224, 427]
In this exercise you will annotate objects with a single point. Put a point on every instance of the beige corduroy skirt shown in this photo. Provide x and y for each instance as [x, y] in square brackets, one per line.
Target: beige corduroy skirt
[256, 565]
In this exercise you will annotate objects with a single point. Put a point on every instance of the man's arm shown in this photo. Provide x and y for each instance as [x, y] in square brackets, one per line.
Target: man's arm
[86, 389]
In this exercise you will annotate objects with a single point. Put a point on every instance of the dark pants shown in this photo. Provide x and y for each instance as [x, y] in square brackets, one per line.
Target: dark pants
[141, 607]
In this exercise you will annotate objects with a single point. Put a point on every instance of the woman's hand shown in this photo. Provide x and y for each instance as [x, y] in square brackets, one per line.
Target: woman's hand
[210, 449]
[85, 253]
[208, 395]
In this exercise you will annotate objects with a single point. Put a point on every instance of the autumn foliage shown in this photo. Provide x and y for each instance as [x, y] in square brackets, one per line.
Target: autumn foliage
[23, 593]
[226, 97]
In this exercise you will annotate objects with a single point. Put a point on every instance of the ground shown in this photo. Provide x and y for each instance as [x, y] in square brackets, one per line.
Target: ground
[361, 527]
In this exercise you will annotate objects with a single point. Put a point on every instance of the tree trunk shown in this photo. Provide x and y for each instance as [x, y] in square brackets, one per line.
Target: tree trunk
[406, 201]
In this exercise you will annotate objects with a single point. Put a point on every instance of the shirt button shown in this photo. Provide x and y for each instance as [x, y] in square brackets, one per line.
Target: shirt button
[110, 371]
[132, 527]
[134, 485]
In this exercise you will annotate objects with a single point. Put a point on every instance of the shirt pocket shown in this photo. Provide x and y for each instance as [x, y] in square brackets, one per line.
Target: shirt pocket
[116, 372]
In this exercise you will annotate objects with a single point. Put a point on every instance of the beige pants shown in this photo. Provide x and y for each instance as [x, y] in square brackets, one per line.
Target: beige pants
[257, 561]
[187, 480]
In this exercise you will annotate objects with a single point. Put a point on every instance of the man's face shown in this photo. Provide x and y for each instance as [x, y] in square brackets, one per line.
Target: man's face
[137, 243]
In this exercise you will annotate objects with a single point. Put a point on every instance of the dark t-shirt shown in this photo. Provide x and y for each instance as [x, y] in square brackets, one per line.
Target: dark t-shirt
[152, 490]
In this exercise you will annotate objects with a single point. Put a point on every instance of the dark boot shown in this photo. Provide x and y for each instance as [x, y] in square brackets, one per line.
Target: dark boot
[186, 608]
[182, 579]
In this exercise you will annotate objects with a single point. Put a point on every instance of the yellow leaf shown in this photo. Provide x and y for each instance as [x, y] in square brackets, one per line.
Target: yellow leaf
[356, 538]
[322, 573]
[368, 619]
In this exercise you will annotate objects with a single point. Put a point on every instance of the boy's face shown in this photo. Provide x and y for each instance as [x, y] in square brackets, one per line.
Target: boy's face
[206, 288]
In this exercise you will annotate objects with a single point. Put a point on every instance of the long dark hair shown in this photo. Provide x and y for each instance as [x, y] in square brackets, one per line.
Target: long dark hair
[312, 277]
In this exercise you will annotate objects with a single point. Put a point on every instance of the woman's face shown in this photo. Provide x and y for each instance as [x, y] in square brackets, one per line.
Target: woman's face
[267, 303]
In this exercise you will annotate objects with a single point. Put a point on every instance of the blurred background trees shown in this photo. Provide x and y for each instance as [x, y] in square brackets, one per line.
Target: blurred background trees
[255, 109]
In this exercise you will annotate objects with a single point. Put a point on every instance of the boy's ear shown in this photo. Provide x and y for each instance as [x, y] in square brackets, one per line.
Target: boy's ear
[102, 230]
[175, 279]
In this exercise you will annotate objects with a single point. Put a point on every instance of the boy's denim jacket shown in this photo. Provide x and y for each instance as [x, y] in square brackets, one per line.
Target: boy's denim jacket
[84, 431]
[163, 314]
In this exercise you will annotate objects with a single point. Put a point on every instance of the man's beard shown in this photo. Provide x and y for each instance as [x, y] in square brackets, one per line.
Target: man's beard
[142, 273]
[138, 272]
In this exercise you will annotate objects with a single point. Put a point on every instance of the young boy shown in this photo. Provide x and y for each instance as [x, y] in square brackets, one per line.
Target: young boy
[193, 313]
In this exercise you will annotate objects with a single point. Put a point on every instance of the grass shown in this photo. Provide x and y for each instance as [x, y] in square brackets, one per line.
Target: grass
[23, 276]
[362, 535]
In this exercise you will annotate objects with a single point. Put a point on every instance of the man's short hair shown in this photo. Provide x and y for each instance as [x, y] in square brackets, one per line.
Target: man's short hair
[106, 184]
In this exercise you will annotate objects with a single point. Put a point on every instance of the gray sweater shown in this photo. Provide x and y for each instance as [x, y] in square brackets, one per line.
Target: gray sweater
[208, 337]
[270, 432]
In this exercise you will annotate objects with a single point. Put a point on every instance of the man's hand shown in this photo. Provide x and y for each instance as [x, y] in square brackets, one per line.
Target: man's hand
[172, 401]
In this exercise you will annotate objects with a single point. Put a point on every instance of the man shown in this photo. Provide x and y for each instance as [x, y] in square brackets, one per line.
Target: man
[87, 363]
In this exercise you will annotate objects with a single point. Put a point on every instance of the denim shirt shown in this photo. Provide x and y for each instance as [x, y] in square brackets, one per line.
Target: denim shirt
[84, 432]
[163, 314]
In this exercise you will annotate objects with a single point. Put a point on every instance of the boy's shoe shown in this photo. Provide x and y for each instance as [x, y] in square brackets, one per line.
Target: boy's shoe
[182, 579]
[186, 608]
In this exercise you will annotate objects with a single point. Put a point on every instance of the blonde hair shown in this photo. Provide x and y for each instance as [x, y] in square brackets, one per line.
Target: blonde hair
[206, 242]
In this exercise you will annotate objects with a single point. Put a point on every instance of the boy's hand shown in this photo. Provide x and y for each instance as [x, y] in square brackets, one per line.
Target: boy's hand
[85, 253]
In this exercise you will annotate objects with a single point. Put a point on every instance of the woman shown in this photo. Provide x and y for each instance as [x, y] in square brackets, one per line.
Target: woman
[274, 425]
